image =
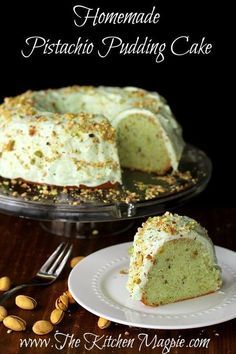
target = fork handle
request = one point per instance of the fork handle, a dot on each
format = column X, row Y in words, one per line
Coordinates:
column 12, row 291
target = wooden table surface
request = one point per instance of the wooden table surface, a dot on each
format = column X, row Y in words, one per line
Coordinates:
column 24, row 246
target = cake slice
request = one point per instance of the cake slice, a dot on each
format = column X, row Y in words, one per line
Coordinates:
column 172, row 259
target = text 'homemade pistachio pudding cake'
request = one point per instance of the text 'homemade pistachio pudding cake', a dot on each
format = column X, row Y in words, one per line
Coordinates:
column 172, row 259
column 83, row 136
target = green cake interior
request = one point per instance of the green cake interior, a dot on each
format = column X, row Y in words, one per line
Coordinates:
column 141, row 145
column 182, row 269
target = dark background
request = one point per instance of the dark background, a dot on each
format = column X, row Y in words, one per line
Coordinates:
column 193, row 85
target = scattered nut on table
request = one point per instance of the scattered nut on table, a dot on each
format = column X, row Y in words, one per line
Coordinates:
column 5, row 283
column 75, row 261
column 25, row 302
column 14, row 323
column 3, row 313
column 70, row 297
column 103, row 323
column 56, row 316
column 62, row 302
column 42, row 327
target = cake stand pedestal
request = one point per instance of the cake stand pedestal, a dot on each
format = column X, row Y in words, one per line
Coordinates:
column 89, row 230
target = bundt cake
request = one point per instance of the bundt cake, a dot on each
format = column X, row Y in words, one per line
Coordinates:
column 172, row 259
column 81, row 135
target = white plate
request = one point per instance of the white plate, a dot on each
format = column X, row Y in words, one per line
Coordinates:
column 97, row 284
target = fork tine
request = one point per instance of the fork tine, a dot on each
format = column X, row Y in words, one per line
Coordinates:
column 59, row 259
column 51, row 258
column 63, row 262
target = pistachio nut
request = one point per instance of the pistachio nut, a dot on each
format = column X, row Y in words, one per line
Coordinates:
column 103, row 323
column 3, row 313
column 70, row 297
column 5, row 283
column 14, row 323
column 56, row 316
column 62, row 302
column 25, row 302
column 75, row 261
column 42, row 327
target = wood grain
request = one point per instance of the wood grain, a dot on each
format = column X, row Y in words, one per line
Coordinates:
column 24, row 246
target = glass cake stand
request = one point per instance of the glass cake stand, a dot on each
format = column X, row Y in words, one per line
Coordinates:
column 142, row 194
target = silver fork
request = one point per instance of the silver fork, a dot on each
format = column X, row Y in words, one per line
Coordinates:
column 48, row 273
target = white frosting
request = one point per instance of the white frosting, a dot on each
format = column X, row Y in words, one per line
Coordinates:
column 54, row 156
column 150, row 240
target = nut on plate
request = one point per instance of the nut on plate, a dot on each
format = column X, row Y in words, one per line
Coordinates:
column 5, row 283
column 70, row 297
column 14, row 323
column 75, row 261
column 25, row 302
column 3, row 313
column 42, row 327
column 56, row 316
column 103, row 323
column 62, row 302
